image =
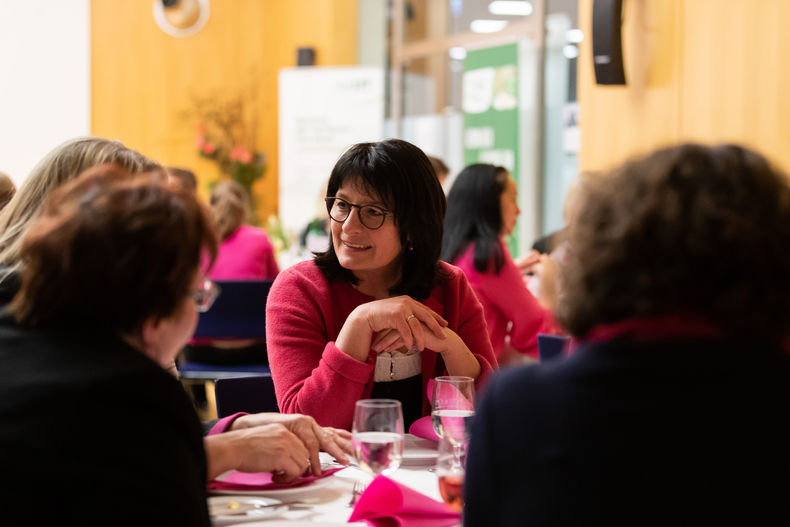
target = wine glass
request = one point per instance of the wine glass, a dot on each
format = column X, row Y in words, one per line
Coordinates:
column 377, row 435
column 453, row 408
column 451, row 473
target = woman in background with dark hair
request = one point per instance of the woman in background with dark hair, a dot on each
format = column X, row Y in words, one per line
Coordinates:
column 673, row 410
column 377, row 314
column 481, row 210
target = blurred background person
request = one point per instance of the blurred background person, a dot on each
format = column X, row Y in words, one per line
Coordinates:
column 674, row 406
column 185, row 177
column 7, row 189
column 109, row 294
column 481, row 210
column 244, row 254
column 377, row 315
column 64, row 163
column 440, row 168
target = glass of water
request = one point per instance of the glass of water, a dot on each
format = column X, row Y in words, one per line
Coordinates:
column 453, row 408
column 377, row 435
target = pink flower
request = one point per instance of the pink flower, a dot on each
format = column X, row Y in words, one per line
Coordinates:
column 241, row 154
column 207, row 148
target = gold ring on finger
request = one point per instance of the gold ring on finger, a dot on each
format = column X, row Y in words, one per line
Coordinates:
column 411, row 317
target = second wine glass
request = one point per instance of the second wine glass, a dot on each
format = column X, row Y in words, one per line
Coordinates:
column 377, row 435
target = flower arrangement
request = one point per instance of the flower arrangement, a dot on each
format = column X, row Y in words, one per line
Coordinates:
column 226, row 133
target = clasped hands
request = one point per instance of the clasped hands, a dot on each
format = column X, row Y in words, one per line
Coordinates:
column 391, row 324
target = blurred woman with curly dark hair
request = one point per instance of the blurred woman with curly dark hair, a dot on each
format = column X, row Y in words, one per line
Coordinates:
column 673, row 408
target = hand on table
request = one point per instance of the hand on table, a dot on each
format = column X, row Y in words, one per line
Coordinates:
column 314, row 437
column 267, row 448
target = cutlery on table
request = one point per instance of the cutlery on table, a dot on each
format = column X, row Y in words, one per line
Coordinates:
column 237, row 508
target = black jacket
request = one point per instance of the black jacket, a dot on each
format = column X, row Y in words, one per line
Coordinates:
column 680, row 432
column 93, row 432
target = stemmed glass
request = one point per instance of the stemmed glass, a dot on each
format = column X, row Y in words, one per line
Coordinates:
column 377, row 435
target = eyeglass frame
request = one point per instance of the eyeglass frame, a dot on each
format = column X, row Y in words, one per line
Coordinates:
column 205, row 296
column 330, row 201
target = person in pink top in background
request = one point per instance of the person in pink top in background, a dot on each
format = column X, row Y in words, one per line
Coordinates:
column 481, row 210
column 244, row 254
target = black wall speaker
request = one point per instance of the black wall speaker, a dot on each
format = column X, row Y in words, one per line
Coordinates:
column 607, row 42
column 305, row 56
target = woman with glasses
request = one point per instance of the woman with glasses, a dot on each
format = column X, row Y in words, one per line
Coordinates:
column 108, row 295
column 377, row 314
column 481, row 210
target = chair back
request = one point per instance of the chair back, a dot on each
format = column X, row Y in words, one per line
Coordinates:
column 245, row 394
column 238, row 313
column 551, row 347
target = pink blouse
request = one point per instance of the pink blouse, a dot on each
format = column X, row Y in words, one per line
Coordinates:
column 506, row 299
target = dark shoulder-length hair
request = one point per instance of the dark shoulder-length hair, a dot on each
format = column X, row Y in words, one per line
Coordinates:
column 474, row 216
column 110, row 251
column 690, row 230
column 399, row 174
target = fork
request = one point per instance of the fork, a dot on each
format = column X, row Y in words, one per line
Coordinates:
column 359, row 488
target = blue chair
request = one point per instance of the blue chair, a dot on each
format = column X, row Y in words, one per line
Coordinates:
column 245, row 394
column 551, row 347
column 238, row 313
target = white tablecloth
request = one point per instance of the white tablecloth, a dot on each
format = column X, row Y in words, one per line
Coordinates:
column 333, row 497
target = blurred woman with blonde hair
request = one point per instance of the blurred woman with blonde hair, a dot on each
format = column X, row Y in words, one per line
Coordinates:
column 245, row 253
column 62, row 164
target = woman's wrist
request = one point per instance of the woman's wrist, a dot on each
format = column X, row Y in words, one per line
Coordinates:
column 458, row 358
column 355, row 336
column 221, row 455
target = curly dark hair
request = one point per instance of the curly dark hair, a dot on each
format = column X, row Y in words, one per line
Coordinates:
column 690, row 229
column 400, row 174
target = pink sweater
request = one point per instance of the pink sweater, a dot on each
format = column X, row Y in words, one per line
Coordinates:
column 304, row 315
column 505, row 299
column 246, row 255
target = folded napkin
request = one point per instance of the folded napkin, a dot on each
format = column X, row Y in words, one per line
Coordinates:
column 262, row 481
column 387, row 503
column 423, row 427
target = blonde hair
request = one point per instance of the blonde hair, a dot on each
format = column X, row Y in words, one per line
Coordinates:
column 230, row 205
column 61, row 165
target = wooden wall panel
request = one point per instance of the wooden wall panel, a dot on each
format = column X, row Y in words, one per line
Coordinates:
column 620, row 121
column 704, row 70
column 142, row 79
column 737, row 74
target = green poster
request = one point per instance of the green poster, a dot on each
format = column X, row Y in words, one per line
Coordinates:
column 490, row 105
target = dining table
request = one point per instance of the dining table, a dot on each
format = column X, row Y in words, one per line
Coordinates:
column 326, row 501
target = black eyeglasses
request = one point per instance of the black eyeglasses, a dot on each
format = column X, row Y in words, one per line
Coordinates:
column 370, row 216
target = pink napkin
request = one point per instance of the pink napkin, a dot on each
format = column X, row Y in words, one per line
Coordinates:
column 423, row 427
column 387, row 503
column 262, row 481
